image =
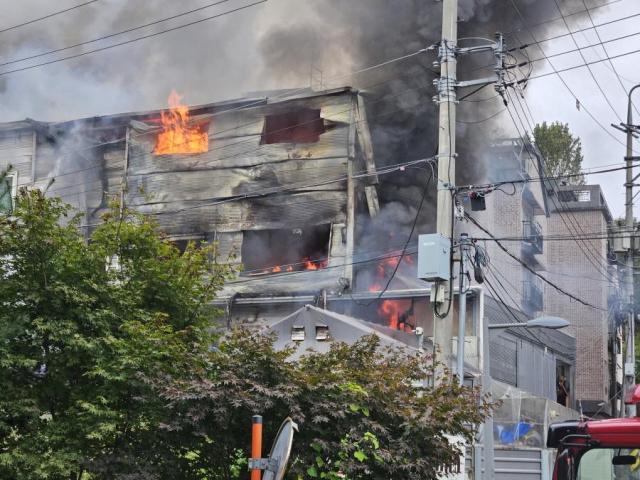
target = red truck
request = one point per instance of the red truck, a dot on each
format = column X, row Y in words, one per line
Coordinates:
column 597, row 449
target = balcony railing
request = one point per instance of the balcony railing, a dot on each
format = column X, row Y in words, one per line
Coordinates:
column 532, row 234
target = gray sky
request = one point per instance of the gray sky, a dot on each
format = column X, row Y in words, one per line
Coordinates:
column 272, row 46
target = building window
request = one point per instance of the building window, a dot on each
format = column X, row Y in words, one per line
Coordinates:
column 583, row 195
column 574, row 195
column 279, row 251
column 303, row 125
column 8, row 187
column 567, row 196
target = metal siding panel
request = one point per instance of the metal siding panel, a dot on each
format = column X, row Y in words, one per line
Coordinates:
column 518, row 464
column 504, row 359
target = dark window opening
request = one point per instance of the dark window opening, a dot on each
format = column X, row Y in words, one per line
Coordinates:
column 276, row 251
column 299, row 126
column 183, row 243
column 567, row 196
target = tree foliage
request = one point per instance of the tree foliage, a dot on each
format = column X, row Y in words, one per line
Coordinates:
column 109, row 373
column 361, row 409
column 562, row 152
column 78, row 340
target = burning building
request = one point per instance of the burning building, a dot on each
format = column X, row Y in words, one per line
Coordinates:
column 277, row 181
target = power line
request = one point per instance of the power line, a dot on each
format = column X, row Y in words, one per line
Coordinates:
column 582, row 65
column 548, row 282
column 137, row 39
column 208, row 153
column 29, row 22
column 564, row 83
column 595, row 255
column 475, row 122
column 251, row 105
column 260, row 193
column 606, row 53
column 405, row 246
column 111, row 35
column 588, row 254
column 539, row 24
column 615, row 113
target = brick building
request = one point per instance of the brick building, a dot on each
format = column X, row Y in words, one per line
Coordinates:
column 579, row 261
column 542, row 224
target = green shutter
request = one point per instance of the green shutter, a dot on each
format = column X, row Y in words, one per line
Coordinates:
column 6, row 202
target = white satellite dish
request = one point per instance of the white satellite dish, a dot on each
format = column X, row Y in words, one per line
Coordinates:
column 275, row 465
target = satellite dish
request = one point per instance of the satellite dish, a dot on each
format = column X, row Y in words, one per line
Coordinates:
column 280, row 451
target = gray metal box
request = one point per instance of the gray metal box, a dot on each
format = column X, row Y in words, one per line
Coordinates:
column 434, row 257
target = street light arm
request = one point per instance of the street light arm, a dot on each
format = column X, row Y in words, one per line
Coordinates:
column 629, row 106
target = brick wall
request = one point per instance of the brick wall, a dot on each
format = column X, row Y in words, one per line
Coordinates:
column 579, row 268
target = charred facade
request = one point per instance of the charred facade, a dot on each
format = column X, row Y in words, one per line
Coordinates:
column 272, row 182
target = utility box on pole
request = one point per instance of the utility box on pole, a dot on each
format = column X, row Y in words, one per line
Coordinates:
column 434, row 257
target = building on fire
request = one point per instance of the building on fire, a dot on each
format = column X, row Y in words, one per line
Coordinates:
column 280, row 181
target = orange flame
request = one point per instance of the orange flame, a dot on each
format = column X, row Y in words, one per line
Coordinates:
column 396, row 312
column 177, row 135
column 313, row 264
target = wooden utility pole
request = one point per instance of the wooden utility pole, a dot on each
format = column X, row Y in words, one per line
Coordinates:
column 443, row 320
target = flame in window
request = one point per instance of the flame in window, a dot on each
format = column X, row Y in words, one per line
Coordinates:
column 178, row 135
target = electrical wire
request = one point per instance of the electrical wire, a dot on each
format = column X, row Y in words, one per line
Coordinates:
column 615, row 113
column 249, row 106
column 111, row 35
column 564, row 83
column 553, row 285
column 261, row 193
column 59, row 12
column 405, row 246
column 578, row 12
column 575, row 222
column 136, row 39
column 559, row 209
column 606, row 53
column 204, row 155
column 476, row 122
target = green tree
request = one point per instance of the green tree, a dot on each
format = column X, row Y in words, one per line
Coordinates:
column 362, row 410
column 562, row 152
column 107, row 370
column 78, row 341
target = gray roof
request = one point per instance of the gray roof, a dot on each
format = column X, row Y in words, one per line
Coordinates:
column 341, row 328
column 253, row 99
column 584, row 197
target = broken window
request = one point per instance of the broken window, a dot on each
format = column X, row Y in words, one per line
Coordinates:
column 303, row 125
column 276, row 251
column 8, row 184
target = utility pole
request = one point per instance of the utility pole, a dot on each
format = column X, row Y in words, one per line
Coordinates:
column 630, row 360
column 443, row 322
column 447, row 84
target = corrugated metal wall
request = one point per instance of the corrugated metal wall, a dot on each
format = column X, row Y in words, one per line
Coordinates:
column 518, row 464
column 523, row 365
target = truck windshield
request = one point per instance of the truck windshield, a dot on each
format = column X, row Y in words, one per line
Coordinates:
column 610, row 464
